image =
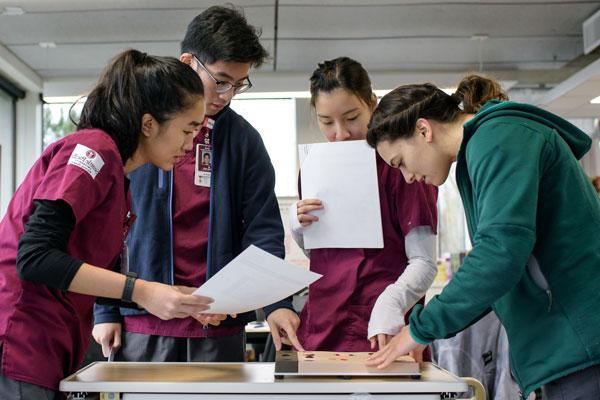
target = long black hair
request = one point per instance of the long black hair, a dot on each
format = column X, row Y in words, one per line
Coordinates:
column 135, row 84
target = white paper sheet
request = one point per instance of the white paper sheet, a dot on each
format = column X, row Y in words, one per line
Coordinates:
column 343, row 175
column 252, row 280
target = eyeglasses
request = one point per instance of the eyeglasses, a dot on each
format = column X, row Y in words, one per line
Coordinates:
column 224, row 86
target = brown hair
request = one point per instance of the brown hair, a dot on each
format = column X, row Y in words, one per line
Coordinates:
column 341, row 73
column 396, row 115
column 596, row 182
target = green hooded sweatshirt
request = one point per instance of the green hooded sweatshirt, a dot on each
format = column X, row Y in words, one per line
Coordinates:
column 534, row 222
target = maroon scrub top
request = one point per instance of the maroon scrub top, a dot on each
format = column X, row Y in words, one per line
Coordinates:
column 337, row 312
column 191, row 212
column 45, row 332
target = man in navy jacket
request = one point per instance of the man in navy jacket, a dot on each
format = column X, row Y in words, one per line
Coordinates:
column 192, row 221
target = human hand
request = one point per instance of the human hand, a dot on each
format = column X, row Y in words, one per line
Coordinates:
column 400, row 345
column 387, row 318
column 211, row 319
column 380, row 340
column 304, row 207
column 283, row 324
column 204, row 319
column 108, row 335
column 417, row 354
column 167, row 302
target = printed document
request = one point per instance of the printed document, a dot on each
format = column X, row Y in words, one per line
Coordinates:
column 343, row 175
column 252, row 280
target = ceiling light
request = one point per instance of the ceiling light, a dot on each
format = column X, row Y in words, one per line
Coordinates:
column 13, row 11
column 47, row 45
column 595, row 100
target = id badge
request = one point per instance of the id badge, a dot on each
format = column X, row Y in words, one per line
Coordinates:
column 203, row 165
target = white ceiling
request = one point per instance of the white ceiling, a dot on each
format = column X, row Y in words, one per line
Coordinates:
column 572, row 97
column 531, row 42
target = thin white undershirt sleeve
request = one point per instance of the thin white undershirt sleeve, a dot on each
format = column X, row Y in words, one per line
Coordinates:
column 296, row 228
column 395, row 301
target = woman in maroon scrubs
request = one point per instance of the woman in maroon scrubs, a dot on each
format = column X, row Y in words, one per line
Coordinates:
column 64, row 228
column 364, row 293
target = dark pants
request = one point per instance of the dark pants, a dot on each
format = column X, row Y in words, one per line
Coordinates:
column 18, row 390
column 139, row 347
column 580, row 385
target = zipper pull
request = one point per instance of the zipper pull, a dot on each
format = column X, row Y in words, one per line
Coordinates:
column 549, row 294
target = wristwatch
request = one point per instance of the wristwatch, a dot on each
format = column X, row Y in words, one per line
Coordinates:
column 128, row 288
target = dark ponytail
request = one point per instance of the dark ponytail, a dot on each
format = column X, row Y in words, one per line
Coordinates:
column 396, row 115
column 474, row 91
column 344, row 73
column 135, row 84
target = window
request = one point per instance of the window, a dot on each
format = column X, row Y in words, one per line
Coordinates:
column 56, row 123
column 275, row 120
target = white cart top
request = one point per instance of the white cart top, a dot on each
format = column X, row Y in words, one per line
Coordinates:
column 134, row 377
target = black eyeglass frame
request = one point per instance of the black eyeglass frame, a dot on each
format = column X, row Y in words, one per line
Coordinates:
column 224, row 86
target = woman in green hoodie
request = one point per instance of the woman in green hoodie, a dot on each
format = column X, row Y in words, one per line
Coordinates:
column 533, row 218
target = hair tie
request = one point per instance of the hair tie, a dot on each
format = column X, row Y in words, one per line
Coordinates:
column 458, row 101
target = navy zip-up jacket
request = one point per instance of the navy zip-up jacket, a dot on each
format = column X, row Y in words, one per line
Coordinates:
column 243, row 211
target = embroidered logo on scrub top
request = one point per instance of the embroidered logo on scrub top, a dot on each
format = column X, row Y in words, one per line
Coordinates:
column 86, row 159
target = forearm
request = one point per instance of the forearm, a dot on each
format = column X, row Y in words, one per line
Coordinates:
column 395, row 301
column 100, row 282
column 420, row 271
column 488, row 272
column 296, row 228
column 282, row 304
column 412, row 285
column 41, row 254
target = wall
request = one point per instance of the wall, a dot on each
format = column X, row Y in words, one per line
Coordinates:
column 18, row 155
column 6, row 149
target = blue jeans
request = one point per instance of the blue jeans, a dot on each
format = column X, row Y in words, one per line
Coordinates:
column 580, row 385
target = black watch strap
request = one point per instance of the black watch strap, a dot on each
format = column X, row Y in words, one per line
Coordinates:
column 128, row 288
